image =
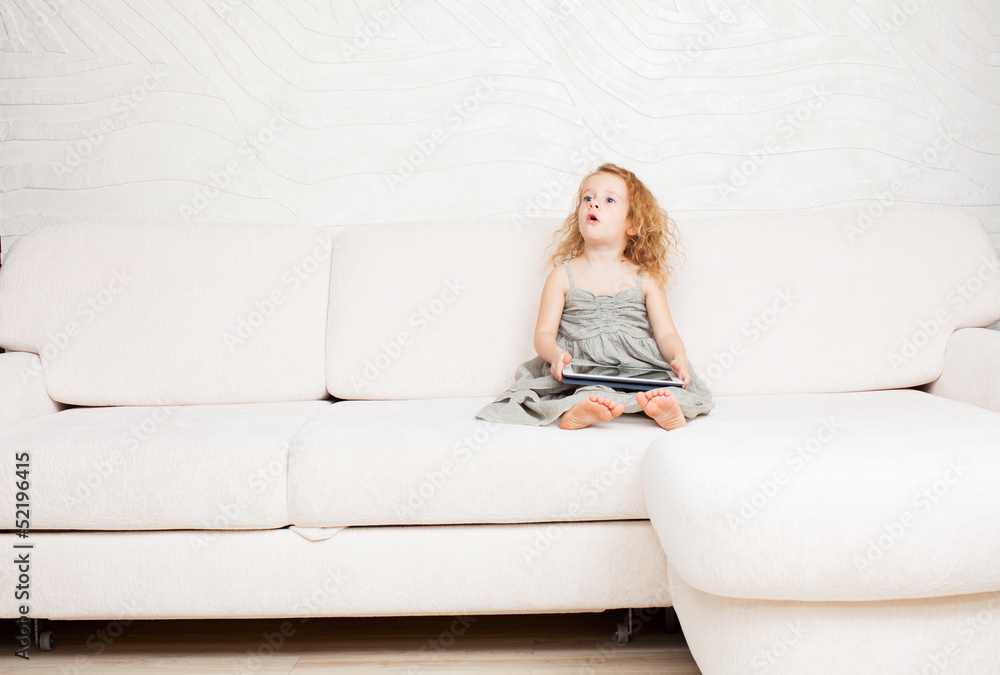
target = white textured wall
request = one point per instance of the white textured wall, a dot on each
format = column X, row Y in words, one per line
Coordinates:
column 335, row 112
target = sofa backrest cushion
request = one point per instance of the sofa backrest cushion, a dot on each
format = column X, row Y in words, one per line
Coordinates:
column 833, row 300
column 810, row 301
column 170, row 314
column 434, row 309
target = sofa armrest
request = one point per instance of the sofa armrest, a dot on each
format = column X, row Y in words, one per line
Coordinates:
column 971, row 369
column 22, row 389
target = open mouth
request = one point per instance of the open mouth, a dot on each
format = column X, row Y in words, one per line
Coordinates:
column 591, row 218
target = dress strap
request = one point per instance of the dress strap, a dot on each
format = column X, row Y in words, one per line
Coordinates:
column 638, row 283
column 569, row 272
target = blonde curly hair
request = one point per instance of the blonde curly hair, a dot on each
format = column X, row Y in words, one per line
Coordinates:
column 655, row 237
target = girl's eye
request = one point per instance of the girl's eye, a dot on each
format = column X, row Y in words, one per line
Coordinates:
column 610, row 200
column 587, row 198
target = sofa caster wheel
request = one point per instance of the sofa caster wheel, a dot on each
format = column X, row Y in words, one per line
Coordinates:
column 46, row 639
column 623, row 634
column 672, row 624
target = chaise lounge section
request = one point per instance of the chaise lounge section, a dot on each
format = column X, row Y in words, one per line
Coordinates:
column 835, row 517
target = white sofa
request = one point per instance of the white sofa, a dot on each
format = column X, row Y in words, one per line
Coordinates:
column 186, row 458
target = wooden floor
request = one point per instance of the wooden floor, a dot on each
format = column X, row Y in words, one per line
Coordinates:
column 551, row 643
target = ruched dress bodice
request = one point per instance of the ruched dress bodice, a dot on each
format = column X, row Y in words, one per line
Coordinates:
column 610, row 330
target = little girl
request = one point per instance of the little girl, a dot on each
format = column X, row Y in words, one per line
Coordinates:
column 605, row 304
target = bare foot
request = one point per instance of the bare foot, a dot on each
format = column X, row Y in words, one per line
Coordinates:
column 663, row 407
column 590, row 410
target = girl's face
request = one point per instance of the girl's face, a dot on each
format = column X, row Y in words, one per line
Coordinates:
column 603, row 214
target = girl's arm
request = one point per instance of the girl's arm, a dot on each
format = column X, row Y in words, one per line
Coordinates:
column 550, row 311
column 664, row 331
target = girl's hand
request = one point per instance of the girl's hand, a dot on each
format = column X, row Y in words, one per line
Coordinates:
column 680, row 367
column 562, row 358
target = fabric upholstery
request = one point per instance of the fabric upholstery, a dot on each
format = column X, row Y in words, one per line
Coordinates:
column 971, row 369
column 840, row 497
column 22, row 390
column 800, row 303
column 926, row 636
column 448, row 308
column 362, row 571
column 430, row 462
column 137, row 468
column 163, row 315
column 785, row 303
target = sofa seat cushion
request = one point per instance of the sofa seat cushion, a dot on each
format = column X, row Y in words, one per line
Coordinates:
column 142, row 468
column 852, row 496
column 431, row 462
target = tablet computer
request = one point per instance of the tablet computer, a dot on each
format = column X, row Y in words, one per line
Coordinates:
column 620, row 377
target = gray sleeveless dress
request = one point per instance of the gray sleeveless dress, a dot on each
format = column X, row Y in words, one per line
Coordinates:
column 611, row 330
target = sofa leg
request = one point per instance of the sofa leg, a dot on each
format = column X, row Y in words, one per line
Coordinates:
column 623, row 634
column 672, row 625
column 45, row 640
